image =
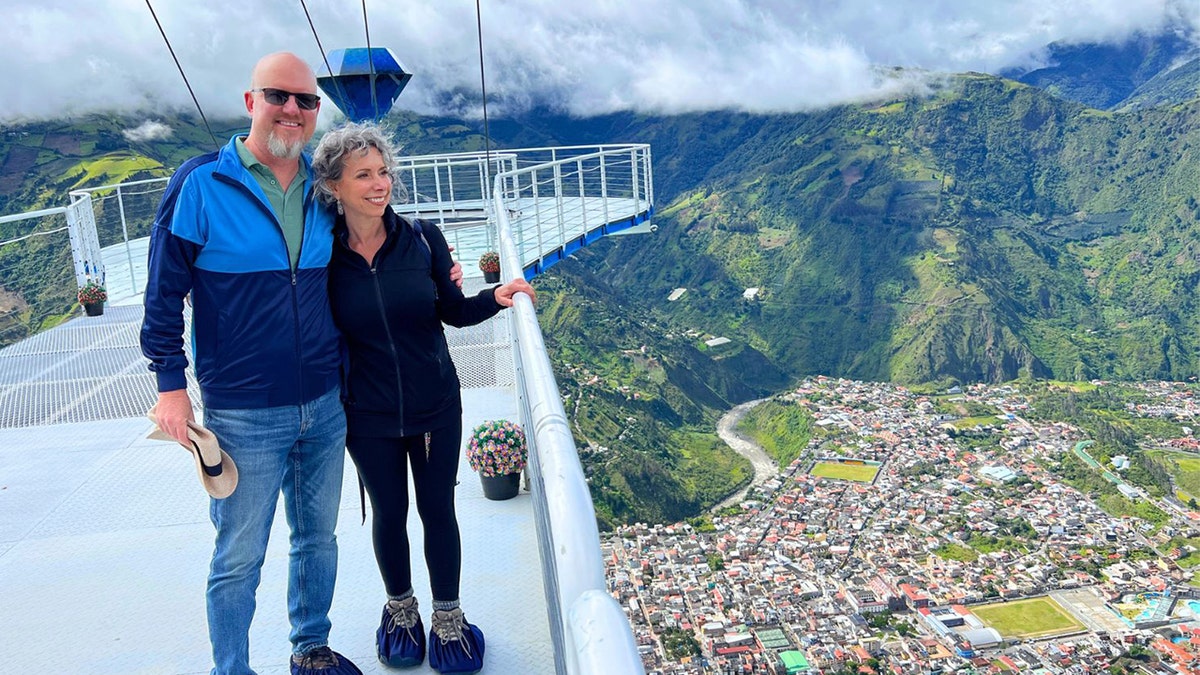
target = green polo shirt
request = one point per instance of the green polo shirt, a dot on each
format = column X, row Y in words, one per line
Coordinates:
column 288, row 206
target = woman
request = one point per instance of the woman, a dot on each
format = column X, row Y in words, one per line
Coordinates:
column 390, row 289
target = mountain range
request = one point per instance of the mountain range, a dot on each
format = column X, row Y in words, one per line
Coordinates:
column 1041, row 225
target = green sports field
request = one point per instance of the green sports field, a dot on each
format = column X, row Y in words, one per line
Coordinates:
column 863, row 473
column 1036, row 617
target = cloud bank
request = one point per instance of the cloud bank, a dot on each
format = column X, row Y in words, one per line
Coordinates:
column 66, row 56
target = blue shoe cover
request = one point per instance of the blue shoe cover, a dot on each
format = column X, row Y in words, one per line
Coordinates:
column 457, row 650
column 400, row 646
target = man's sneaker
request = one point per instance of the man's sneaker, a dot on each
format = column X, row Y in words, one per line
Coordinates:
column 455, row 646
column 400, row 640
column 323, row 661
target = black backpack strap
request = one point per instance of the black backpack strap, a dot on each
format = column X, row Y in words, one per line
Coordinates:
column 425, row 249
column 362, row 498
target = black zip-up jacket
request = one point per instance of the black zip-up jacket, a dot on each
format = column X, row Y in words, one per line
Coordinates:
column 400, row 380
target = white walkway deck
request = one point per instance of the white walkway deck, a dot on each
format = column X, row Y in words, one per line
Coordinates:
column 105, row 539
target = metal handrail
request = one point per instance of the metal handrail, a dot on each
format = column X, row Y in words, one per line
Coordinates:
column 554, row 150
column 591, row 633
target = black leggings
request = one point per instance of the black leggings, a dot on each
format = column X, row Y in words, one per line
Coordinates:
column 382, row 464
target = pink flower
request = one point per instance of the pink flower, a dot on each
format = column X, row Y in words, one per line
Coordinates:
column 497, row 448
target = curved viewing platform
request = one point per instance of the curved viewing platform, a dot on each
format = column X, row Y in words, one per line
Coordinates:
column 103, row 529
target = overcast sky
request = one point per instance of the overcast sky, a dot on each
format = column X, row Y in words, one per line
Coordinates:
column 588, row 56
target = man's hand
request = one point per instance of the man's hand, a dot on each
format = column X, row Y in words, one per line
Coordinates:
column 174, row 411
column 455, row 270
column 504, row 294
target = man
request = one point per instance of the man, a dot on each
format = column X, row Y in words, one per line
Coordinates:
column 242, row 232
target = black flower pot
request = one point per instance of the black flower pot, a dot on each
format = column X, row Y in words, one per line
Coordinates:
column 94, row 308
column 491, row 277
column 499, row 488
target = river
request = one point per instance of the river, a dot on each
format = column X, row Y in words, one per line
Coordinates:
column 764, row 466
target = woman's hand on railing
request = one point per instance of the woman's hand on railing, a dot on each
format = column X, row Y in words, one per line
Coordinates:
column 504, row 294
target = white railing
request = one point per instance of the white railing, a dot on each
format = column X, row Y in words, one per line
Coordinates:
column 591, row 632
column 46, row 230
column 135, row 204
column 576, row 197
column 557, row 199
column 36, row 237
column 452, row 190
column 84, row 246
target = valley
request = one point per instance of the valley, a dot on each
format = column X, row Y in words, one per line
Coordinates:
column 980, row 539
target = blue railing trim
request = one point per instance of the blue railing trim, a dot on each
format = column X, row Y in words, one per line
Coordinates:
column 591, row 236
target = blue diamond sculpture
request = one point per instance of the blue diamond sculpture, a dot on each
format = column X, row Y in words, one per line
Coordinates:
column 363, row 86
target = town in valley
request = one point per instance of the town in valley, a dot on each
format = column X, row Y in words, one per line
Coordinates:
column 1023, row 528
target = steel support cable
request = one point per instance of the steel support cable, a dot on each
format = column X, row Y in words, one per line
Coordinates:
column 34, row 234
column 332, row 76
column 487, row 137
column 97, row 197
column 370, row 65
column 183, row 75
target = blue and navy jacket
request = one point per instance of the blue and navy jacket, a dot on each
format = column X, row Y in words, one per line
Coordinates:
column 263, row 334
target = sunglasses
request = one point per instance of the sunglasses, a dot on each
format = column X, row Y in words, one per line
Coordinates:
column 280, row 97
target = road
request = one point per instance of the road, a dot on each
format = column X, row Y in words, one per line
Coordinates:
column 764, row 466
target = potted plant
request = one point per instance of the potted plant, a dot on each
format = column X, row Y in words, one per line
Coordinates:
column 489, row 262
column 497, row 451
column 92, row 296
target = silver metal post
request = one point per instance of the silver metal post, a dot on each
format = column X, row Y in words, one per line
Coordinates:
column 633, row 172
column 582, row 197
column 125, row 235
column 437, row 188
column 604, row 189
column 558, row 205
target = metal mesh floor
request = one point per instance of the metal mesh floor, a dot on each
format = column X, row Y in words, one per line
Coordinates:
column 92, row 368
column 105, row 530
column 87, row 369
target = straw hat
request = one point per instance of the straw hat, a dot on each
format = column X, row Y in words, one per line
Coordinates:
column 218, row 473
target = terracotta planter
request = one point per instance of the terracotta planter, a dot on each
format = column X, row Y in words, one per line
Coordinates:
column 491, row 277
column 499, row 488
column 94, row 308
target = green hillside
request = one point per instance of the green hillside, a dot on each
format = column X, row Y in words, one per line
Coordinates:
column 1180, row 83
column 987, row 233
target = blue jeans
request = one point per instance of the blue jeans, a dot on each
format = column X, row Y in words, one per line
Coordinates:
column 301, row 451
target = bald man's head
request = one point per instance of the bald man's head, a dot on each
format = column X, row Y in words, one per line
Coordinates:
column 280, row 63
column 279, row 126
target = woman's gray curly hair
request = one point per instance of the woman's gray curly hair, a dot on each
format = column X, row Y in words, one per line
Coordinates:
column 329, row 159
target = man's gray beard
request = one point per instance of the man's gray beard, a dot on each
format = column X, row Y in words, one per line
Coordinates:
column 280, row 148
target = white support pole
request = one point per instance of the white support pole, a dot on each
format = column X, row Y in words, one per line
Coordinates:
column 604, row 188
column 582, row 198
column 85, row 246
column 125, row 236
column 633, row 172
column 558, row 204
